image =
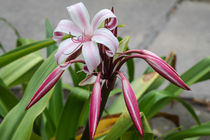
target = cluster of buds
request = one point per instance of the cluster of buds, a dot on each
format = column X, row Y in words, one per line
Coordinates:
column 99, row 46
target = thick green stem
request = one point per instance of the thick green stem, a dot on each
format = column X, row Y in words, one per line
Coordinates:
column 106, row 89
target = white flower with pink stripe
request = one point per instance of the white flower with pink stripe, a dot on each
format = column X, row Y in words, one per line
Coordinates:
column 85, row 35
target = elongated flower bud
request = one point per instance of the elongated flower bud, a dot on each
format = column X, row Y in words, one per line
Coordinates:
column 164, row 69
column 95, row 103
column 131, row 103
column 48, row 84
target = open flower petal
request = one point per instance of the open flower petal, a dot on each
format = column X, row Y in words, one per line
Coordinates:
column 91, row 55
column 131, row 103
column 48, row 84
column 102, row 16
column 80, row 16
column 106, row 37
column 65, row 27
column 66, row 48
column 95, row 103
column 166, row 71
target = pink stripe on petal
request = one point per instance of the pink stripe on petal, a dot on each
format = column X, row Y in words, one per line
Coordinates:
column 80, row 16
column 58, row 36
column 146, row 52
column 85, row 69
column 91, row 55
column 65, row 49
column 95, row 103
column 48, row 84
column 131, row 103
column 112, row 24
column 101, row 16
column 166, row 71
column 106, row 37
column 66, row 27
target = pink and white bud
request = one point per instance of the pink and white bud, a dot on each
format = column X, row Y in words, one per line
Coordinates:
column 48, row 84
column 131, row 103
column 95, row 103
column 163, row 69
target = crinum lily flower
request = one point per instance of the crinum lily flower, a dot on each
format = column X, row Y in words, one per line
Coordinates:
column 98, row 46
column 85, row 35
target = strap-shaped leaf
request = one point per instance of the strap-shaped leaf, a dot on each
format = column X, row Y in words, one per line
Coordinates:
column 150, row 103
column 49, row 34
column 7, row 99
column 124, row 123
column 13, row 73
column 24, row 50
column 55, row 106
column 193, row 75
column 18, row 123
column 201, row 130
column 69, row 120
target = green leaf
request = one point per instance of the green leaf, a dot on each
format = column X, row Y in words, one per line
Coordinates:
column 23, row 41
column 48, row 29
column 150, row 103
column 47, row 125
column 85, row 110
column 202, row 130
column 18, row 123
column 190, row 109
column 123, row 124
column 123, row 45
column 69, row 120
column 34, row 136
column 11, row 26
column 121, row 25
column 55, row 106
column 207, row 77
column 16, row 70
column 49, row 34
column 193, row 138
column 54, row 109
column 7, row 99
column 193, row 75
column 76, row 74
column 133, row 134
column 24, row 50
column 131, row 69
column 115, row 91
column 56, row 102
